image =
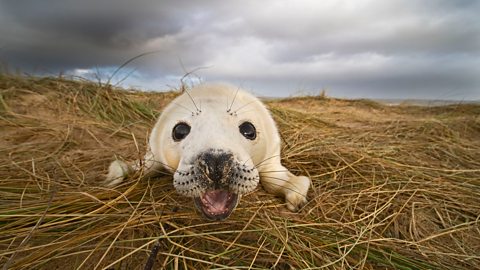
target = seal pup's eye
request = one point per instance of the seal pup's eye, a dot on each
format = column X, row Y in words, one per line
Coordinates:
column 180, row 131
column 248, row 130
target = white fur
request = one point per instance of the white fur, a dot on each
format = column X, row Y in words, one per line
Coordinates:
column 215, row 118
column 117, row 172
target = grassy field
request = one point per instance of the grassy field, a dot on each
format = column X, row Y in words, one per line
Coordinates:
column 394, row 187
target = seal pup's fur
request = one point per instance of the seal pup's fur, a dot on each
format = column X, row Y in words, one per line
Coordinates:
column 219, row 142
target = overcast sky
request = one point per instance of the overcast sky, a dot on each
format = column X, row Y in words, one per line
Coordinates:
column 373, row 49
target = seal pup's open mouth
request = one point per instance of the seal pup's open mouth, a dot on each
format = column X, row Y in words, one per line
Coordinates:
column 216, row 204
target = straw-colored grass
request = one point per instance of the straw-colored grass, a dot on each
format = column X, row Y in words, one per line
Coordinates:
column 394, row 187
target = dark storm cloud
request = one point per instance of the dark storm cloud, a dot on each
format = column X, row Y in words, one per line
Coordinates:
column 107, row 23
column 70, row 34
column 357, row 48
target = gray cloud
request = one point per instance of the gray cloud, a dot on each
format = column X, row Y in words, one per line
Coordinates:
column 364, row 48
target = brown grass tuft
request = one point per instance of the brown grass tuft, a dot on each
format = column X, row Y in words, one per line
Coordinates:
column 393, row 187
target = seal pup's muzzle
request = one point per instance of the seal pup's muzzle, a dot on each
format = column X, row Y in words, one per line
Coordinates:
column 216, row 181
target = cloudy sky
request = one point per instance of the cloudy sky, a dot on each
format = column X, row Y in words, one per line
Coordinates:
column 426, row 49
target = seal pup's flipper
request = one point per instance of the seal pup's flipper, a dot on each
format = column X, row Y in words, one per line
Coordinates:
column 119, row 170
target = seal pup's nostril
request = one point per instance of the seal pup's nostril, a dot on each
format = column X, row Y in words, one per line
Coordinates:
column 204, row 167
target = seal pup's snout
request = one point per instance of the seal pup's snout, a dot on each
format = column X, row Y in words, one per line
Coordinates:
column 216, row 167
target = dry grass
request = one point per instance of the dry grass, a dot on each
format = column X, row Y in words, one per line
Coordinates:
column 393, row 187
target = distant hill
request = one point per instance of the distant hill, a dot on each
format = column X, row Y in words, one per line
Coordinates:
column 425, row 102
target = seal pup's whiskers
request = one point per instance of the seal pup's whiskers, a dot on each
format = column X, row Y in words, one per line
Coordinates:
column 243, row 106
column 262, row 161
column 229, row 109
column 193, row 101
column 180, row 105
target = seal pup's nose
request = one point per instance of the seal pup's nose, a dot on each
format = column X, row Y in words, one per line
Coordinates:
column 216, row 166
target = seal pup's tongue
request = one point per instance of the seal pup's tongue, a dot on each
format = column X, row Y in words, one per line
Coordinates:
column 216, row 201
column 217, row 204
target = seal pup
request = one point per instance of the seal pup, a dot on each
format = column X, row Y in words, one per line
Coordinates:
column 219, row 142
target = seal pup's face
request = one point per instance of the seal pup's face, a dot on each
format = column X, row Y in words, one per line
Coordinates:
column 212, row 147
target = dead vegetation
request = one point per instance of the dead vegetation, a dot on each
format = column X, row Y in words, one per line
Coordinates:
column 393, row 187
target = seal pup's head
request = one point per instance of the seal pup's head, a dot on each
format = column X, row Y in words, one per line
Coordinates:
column 212, row 137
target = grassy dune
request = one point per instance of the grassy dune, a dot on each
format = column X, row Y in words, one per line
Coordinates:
column 394, row 187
